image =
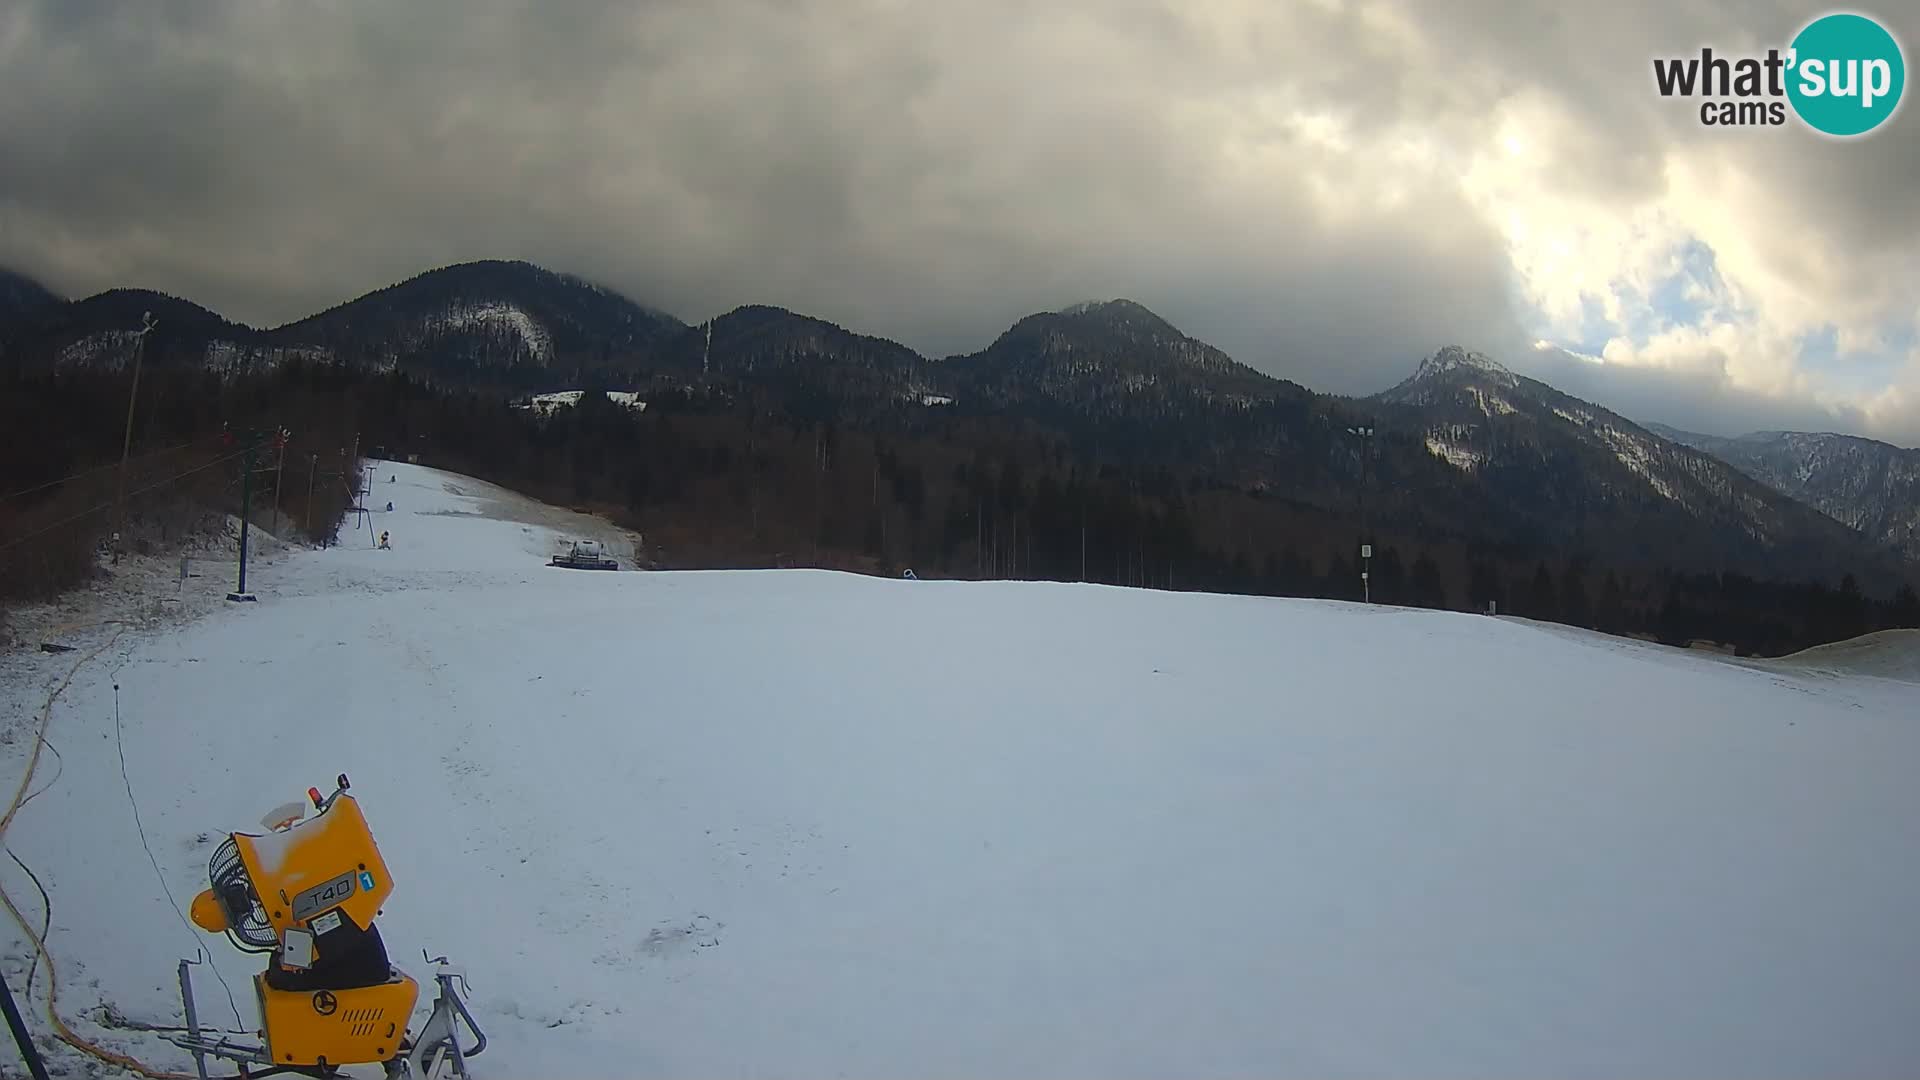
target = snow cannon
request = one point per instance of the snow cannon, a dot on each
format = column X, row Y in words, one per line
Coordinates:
column 305, row 893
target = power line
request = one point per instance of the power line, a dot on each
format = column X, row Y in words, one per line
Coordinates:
column 126, row 443
column 98, row 468
column 109, row 504
column 119, row 742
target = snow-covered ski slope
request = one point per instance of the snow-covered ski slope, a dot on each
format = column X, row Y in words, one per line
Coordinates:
column 802, row 824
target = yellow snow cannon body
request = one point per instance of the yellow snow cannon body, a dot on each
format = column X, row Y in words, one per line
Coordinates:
column 306, row 892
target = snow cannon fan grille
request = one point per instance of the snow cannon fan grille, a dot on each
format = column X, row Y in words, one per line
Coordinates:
column 247, row 921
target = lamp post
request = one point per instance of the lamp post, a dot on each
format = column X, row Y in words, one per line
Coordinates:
column 147, row 323
column 280, row 437
column 1365, row 435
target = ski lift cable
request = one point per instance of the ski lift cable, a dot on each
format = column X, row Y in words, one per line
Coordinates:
column 100, row 468
column 109, row 504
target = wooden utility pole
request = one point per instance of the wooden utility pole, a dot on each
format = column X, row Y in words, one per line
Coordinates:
column 313, row 467
column 353, row 486
column 979, row 538
column 343, row 479
column 278, row 469
column 147, row 323
column 1083, row 533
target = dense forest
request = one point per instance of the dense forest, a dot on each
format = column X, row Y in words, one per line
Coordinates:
column 1181, row 466
column 192, row 437
column 717, row 481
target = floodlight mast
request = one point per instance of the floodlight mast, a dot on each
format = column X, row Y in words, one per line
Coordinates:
column 147, row 323
column 1365, row 435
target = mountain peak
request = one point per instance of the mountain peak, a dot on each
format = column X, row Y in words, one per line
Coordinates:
column 1119, row 306
column 1450, row 372
column 499, row 281
column 1452, row 358
column 1127, row 314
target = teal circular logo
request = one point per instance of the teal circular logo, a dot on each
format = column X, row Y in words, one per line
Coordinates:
column 1846, row 74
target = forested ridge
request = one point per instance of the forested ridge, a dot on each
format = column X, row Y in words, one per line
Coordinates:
column 1097, row 443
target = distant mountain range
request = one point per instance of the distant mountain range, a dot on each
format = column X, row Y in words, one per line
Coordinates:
column 505, row 324
column 1465, row 451
column 1569, row 461
column 1870, row 486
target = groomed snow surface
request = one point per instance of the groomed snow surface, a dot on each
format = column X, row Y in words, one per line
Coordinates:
column 803, row 824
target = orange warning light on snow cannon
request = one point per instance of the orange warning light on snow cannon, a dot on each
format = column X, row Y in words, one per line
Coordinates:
column 207, row 913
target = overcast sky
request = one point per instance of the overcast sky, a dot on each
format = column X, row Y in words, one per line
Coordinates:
column 1326, row 190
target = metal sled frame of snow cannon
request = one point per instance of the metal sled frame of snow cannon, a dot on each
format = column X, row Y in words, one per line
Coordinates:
column 307, row 892
column 435, row 1052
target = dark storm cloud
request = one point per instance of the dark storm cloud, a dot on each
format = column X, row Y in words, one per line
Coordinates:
column 929, row 172
column 1858, row 198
